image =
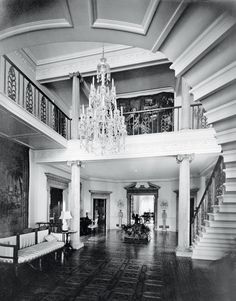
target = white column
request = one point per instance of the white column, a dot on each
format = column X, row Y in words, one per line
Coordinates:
column 186, row 101
column 156, row 212
column 184, row 205
column 74, row 203
column 75, row 104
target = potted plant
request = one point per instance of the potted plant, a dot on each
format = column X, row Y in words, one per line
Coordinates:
column 137, row 233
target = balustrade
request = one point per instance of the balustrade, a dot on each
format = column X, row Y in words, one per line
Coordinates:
column 26, row 94
column 162, row 120
column 214, row 189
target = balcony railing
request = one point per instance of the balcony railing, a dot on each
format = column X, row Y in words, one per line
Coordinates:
column 26, row 94
column 163, row 120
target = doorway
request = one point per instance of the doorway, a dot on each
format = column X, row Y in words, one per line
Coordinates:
column 99, row 212
column 56, row 205
column 143, row 206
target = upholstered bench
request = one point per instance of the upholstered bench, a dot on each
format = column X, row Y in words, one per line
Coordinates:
column 22, row 248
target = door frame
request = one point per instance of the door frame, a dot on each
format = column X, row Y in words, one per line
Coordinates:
column 54, row 181
column 152, row 189
column 98, row 194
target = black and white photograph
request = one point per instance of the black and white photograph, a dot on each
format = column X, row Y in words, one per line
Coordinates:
column 117, row 150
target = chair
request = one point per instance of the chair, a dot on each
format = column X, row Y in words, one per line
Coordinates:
column 93, row 226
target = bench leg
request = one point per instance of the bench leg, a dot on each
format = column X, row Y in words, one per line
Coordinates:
column 62, row 257
column 16, row 270
column 40, row 264
column 55, row 255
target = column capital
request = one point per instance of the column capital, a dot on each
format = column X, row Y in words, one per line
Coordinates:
column 78, row 75
column 181, row 158
column 74, row 162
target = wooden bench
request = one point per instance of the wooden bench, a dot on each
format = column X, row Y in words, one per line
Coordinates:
column 23, row 248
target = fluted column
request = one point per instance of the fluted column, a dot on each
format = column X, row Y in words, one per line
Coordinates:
column 74, row 203
column 76, row 77
column 184, row 205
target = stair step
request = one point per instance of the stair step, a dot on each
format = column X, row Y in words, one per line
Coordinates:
column 223, row 216
column 212, row 246
column 230, row 156
column 217, row 241
column 219, row 236
column 230, row 207
column 205, row 254
column 230, row 186
column 223, row 224
column 230, row 172
column 227, row 197
column 219, row 230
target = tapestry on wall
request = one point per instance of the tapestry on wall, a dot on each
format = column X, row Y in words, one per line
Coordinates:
column 14, row 187
column 149, row 113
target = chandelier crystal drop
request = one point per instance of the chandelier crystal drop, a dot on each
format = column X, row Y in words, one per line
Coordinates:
column 102, row 126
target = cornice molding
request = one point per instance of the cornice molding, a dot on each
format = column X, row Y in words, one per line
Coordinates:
column 125, row 59
column 205, row 42
column 75, row 55
column 221, row 112
column 142, row 28
column 215, row 82
column 171, row 23
column 145, row 92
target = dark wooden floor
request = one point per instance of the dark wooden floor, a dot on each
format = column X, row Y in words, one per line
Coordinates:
column 108, row 269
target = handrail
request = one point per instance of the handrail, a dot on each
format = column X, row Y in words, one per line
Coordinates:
column 152, row 110
column 33, row 84
column 219, row 161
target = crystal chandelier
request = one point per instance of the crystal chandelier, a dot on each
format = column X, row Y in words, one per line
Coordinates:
column 102, row 126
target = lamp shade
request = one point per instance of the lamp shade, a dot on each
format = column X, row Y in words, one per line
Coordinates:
column 65, row 215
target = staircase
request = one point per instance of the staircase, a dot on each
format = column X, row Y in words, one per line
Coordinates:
column 217, row 234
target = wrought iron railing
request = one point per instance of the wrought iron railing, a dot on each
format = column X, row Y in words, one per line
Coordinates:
column 210, row 198
column 162, row 120
column 198, row 118
column 25, row 93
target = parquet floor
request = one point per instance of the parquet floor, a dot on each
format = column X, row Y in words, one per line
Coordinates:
column 109, row 269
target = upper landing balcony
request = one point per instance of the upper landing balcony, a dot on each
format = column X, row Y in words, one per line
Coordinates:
column 29, row 116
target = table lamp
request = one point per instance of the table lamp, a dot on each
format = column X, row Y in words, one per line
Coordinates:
column 65, row 215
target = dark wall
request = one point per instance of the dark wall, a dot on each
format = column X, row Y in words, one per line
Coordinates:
column 14, row 187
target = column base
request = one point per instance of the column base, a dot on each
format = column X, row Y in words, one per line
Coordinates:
column 77, row 245
column 183, row 252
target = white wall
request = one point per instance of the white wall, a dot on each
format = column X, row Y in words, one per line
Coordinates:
column 38, row 195
column 38, row 200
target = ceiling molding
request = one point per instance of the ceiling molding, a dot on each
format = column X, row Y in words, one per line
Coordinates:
column 171, row 23
column 125, row 59
column 75, row 55
column 215, row 82
column 145, row 92
column 205, row 42
column 121, row 25
column 33, row 26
